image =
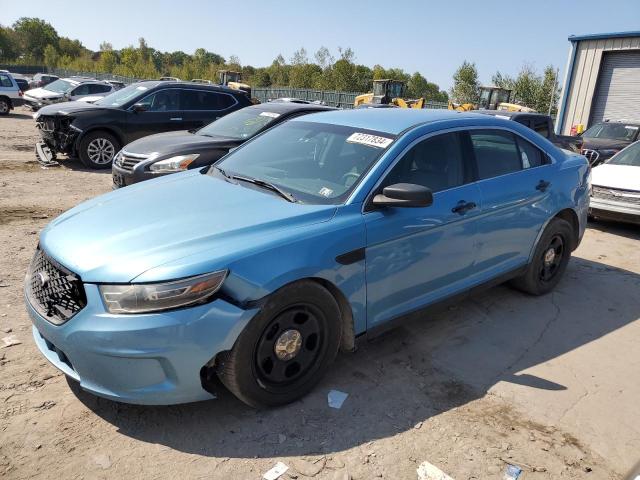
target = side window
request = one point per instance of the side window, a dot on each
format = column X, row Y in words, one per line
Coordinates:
column 97, row 88
column 162, row 101
column 437, row 163
column 81, row 90
column 203, row 100
column 496, row 153
column 5, row 81
column 530, row 155
column 542, row 127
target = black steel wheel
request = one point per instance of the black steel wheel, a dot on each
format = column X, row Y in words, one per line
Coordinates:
column 290, row 345
column 549, row 260
column 286, row 348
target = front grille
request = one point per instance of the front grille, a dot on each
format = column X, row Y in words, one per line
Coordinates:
column 127, row 161
column 616, row 195
column 55, row 292
column 592, row 155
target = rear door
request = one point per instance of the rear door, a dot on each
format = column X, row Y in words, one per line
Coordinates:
column 162, row 114
column 415, row 256
column 201, row 106
column 515, row 179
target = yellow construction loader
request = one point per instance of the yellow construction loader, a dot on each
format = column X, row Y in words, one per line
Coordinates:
column 491, row 98
column 232, row 79
column 388, row 92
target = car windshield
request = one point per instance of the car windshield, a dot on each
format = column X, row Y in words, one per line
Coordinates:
column 317, row 163
column 612, row 131
column 241, row 124
column 59, row 86
column 629, row 156
column 120, row 97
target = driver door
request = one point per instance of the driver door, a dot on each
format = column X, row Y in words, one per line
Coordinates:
column 415, row 256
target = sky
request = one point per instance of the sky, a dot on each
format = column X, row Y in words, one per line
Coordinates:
column 430, row 37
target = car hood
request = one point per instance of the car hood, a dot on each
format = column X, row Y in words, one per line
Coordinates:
column 118, row 236
column 41, row 93
column 626, row 177
column 69, row 108
column 171, row 142
column 604, row 143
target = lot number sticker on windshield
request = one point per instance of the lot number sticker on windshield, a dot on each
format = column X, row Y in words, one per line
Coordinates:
column 270, row 114
column 370, row 140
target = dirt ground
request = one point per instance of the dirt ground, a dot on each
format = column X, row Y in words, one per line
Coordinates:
column 549, row 384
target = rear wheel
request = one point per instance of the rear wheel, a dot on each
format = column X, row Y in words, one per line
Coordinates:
column 5, row 106
column 285, row 349
column 549, row 260
column 97, row 149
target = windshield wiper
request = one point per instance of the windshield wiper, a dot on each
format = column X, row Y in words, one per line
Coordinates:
column 264, row 184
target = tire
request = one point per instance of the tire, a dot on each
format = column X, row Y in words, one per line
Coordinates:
column 97, row 149
column 546, row 269
column 5, row 106
column 264, row 369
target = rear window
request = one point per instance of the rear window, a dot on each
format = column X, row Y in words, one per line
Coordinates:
column 5, row 81
column 496, row 153
column 203, row 100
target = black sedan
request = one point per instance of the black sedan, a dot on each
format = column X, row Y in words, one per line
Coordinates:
column 165, row 153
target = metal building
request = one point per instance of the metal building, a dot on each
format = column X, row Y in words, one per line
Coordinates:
column 602, row 80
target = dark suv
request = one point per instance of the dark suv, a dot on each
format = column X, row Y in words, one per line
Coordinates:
column 95, row 132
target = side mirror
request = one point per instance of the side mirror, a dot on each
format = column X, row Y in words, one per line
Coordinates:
column 404, row 195
column 139, row 107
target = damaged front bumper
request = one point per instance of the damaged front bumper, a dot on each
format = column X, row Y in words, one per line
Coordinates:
column 58, row 135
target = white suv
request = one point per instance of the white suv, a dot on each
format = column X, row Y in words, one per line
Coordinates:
column 65, row 90
column 10, row 94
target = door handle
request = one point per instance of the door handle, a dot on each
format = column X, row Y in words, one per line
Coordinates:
column 176, row 119
column 543, row 185
column 463, row 207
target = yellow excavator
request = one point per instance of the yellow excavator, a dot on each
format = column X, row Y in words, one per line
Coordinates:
column 491, row 98
column 387, row 92
column 232, row 79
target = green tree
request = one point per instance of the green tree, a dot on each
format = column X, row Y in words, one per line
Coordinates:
column 8, row 44
column 304, row 75
column 526, row 87
column 300, row 57
column 549, row 93
column 261, row 78
column 34, row 35
column 51, row 56
column 465, row 84
column 72, row 48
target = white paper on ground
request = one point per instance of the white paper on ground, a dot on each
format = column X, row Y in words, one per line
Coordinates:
column 427, row 471
column 336, row 398
column 275, row 472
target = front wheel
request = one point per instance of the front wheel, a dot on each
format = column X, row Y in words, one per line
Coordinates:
column 285, row 349
column 97, row 149
column 549, row 261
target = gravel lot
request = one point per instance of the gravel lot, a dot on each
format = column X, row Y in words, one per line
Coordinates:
column 550, row 384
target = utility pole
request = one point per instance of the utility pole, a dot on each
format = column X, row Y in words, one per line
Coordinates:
column 553, row 92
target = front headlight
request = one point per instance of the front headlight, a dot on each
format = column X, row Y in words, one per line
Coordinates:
column 174, row 164
column 153, row 297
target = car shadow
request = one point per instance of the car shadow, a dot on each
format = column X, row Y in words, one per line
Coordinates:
column 74, row 163
column 20, row 116
column 427, row 366
column 627, row 230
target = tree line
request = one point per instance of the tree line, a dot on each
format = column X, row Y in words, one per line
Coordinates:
column 35, row 41
column 528, row 88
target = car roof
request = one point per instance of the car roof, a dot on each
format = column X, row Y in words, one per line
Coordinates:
column 287, row 107
column 622, row 122
column 79, row 80
column 389, row 120
column 192, row 85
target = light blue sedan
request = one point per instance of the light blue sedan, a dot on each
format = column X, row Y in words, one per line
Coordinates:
column 262, row 267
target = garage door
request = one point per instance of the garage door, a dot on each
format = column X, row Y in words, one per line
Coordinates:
column 618, row 90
